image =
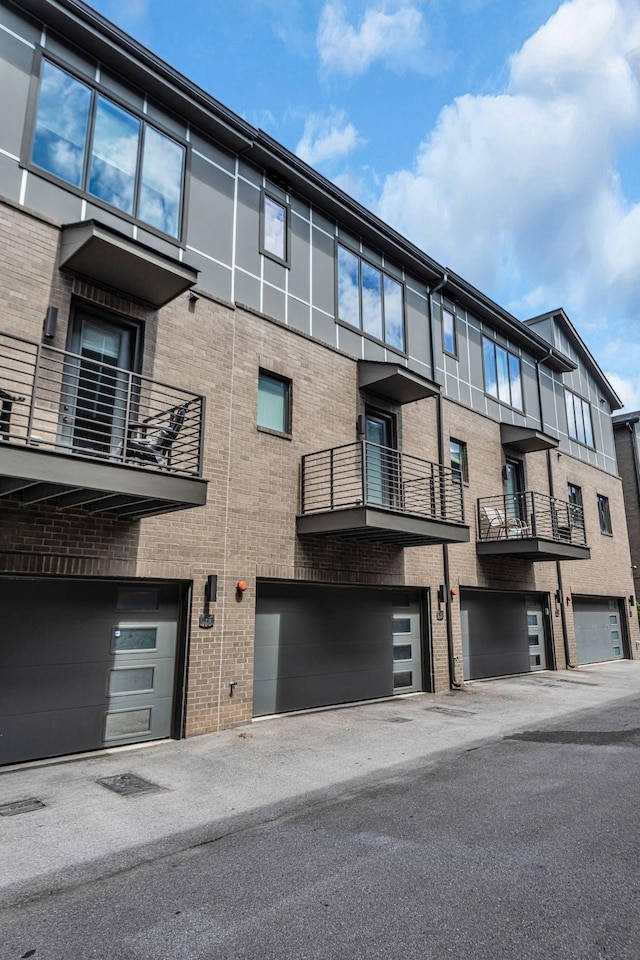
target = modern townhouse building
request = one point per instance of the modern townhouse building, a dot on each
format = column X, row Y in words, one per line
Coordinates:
column 258, row 452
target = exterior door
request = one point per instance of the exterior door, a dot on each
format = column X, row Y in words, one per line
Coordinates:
column 97, row 384
column 537, row 651
column 515, row 507
column 407, row 651
column 382, row 465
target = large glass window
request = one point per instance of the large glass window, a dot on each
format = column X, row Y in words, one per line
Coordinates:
column 502, row 374
column 274, row 403
column 370, row 299
column 129, row 164
column 579, row 424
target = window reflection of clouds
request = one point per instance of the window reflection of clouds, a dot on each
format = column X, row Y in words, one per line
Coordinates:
column 348, row 287
column 490, row 379
column 61, row 125
column 393, row 313
column 502, row 374
column 275, row 228
column 372, row 301
column 161, row 186
column 115, row 155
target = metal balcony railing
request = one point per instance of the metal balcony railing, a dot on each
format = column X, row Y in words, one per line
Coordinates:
column 53, row 400
column 527, row 515
column 365, row 474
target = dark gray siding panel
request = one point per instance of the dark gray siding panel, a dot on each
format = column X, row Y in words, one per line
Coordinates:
column 112, row 220
column 72, row 56
column 53, row 201
column 247, row 290
column 417, row 327
column 299, row 278
column 530, row 391
column 324, row 328
column 299, row 315
column 273, row 302
column 170, row 121
column 248, row 228
column 213, row 153
column 318, row 645
column 323, row 272
column 10, row 176
column 275, row 273
column 350, row 342
column 210, row 226
column 213, row 277
column 474, row 340
column 548, row 404
column 15, row 71
column 22, row 26
column 373, row 351
column 115, row 85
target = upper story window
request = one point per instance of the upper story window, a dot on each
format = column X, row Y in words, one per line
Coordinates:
column 502, row 374
column 574, row 496
column 458, row 454
column 449, row 340
column 579, row 422
column 604, row 514
column 274, row 403
column 370, row 299
column 274, row 229
column 93, row 144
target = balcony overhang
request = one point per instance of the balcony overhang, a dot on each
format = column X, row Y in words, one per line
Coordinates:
column 105, row 256
column 66, row 481
column 381, row 526
column 525, row 439
column 532, row 548
column 394, row 382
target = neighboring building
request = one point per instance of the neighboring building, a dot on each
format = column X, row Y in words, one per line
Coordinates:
column 627, row 438
column 218, row 369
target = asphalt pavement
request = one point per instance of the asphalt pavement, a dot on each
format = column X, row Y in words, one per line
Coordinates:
column 70, row 827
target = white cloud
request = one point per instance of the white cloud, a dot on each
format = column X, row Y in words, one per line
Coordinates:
column 327, row 137
column 627, row 389
column 394, row 34
column 520, row 191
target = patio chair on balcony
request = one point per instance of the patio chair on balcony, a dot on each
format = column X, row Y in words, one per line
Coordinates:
column 501, row 526
column 157, row 436
column 7, row 401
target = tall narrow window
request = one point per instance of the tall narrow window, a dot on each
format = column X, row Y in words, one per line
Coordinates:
column 449, row 343
column 274, row 241
column 369, row 299
column 130, row 165
column 604, row 514
column 274, row 403
column 458, row 454
column 579, row 424
column 502, row 374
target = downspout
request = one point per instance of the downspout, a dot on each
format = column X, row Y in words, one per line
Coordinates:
column 563, row 616
column 445, row 548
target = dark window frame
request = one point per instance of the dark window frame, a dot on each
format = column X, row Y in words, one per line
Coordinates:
column 510, row 354
column 464, row 461
column 287, row 434
column 604, row 515
column 583, row 404
column 99, row 89
column 450, row 353
column 403, row 352
column 265, row 194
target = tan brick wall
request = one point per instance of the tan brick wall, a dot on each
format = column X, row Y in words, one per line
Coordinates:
column 247, row 528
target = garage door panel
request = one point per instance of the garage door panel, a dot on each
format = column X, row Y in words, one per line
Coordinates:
column 30, row 642
column 495, row 633
column 50, row 734
column 301, row 693
column 598, row 629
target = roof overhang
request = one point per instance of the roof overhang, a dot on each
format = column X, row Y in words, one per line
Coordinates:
column 532, row 548
column 526, row 439
column 394, row 382
column 108, row 257
column 381, row 526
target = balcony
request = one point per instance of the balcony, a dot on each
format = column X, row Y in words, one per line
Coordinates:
column 362, row 491
column 78, row 432
column 531, row 526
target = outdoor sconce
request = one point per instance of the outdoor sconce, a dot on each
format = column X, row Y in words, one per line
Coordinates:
column 50, row 323
column 568, row 599
column 631, row 600
column 211, row 588
column 558, row 599
column 441, row 599
column 193, row 297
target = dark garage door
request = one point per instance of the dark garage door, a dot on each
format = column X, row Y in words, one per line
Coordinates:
column 502, row 633
column 598, row 629
column 85, row 665
column 317, row 645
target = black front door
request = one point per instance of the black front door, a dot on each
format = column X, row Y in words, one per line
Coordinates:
column 516, row 507
column 98, row 382
column 381, row 460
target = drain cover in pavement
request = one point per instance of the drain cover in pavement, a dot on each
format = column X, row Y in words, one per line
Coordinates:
column 398, row 719
column 20, row 806
column 452, row 712
column 128, row 785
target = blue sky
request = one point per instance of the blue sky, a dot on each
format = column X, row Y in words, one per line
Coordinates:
column 501, row 136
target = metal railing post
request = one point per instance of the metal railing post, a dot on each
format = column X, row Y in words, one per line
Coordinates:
column 34, row 391
column 302, row 484
column 363, row 470
column 331, row 478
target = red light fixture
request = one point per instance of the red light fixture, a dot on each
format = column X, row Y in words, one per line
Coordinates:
column 241, row 586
